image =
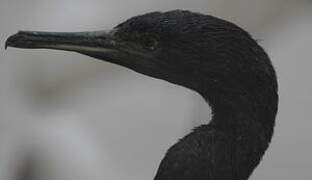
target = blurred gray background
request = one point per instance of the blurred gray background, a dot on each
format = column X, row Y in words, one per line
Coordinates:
column 69, row 117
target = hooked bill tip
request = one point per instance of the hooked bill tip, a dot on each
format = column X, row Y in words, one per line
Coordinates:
column 12, row 40
column 18, row 39
column 8, row 42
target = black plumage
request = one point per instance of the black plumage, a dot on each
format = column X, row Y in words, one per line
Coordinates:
column 213, row 57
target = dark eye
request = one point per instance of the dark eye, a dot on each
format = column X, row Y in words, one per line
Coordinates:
column 150, row 43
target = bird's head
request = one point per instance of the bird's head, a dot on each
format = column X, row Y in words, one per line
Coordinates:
column 185, row 48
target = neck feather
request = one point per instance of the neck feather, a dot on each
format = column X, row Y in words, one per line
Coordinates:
column 248, row 119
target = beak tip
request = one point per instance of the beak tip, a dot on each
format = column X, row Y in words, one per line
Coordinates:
column 10, row 41
column 14, row 40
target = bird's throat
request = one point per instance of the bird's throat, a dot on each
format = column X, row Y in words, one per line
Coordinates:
column 248, row 121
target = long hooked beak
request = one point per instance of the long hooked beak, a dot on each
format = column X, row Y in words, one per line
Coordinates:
column 103, row 45
column 83, row 42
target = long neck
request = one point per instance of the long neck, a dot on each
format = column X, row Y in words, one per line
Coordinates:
column 248, row 118
column 244, row 113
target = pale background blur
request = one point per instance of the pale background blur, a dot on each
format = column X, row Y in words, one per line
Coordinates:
column 75, row 118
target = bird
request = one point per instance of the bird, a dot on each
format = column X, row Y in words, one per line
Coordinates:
column 213, row 57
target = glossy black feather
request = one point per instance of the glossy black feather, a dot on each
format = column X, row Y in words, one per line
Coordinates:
column 224, row 64
column 211, row 56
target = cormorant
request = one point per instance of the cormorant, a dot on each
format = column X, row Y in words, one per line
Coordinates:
column 211, row 56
